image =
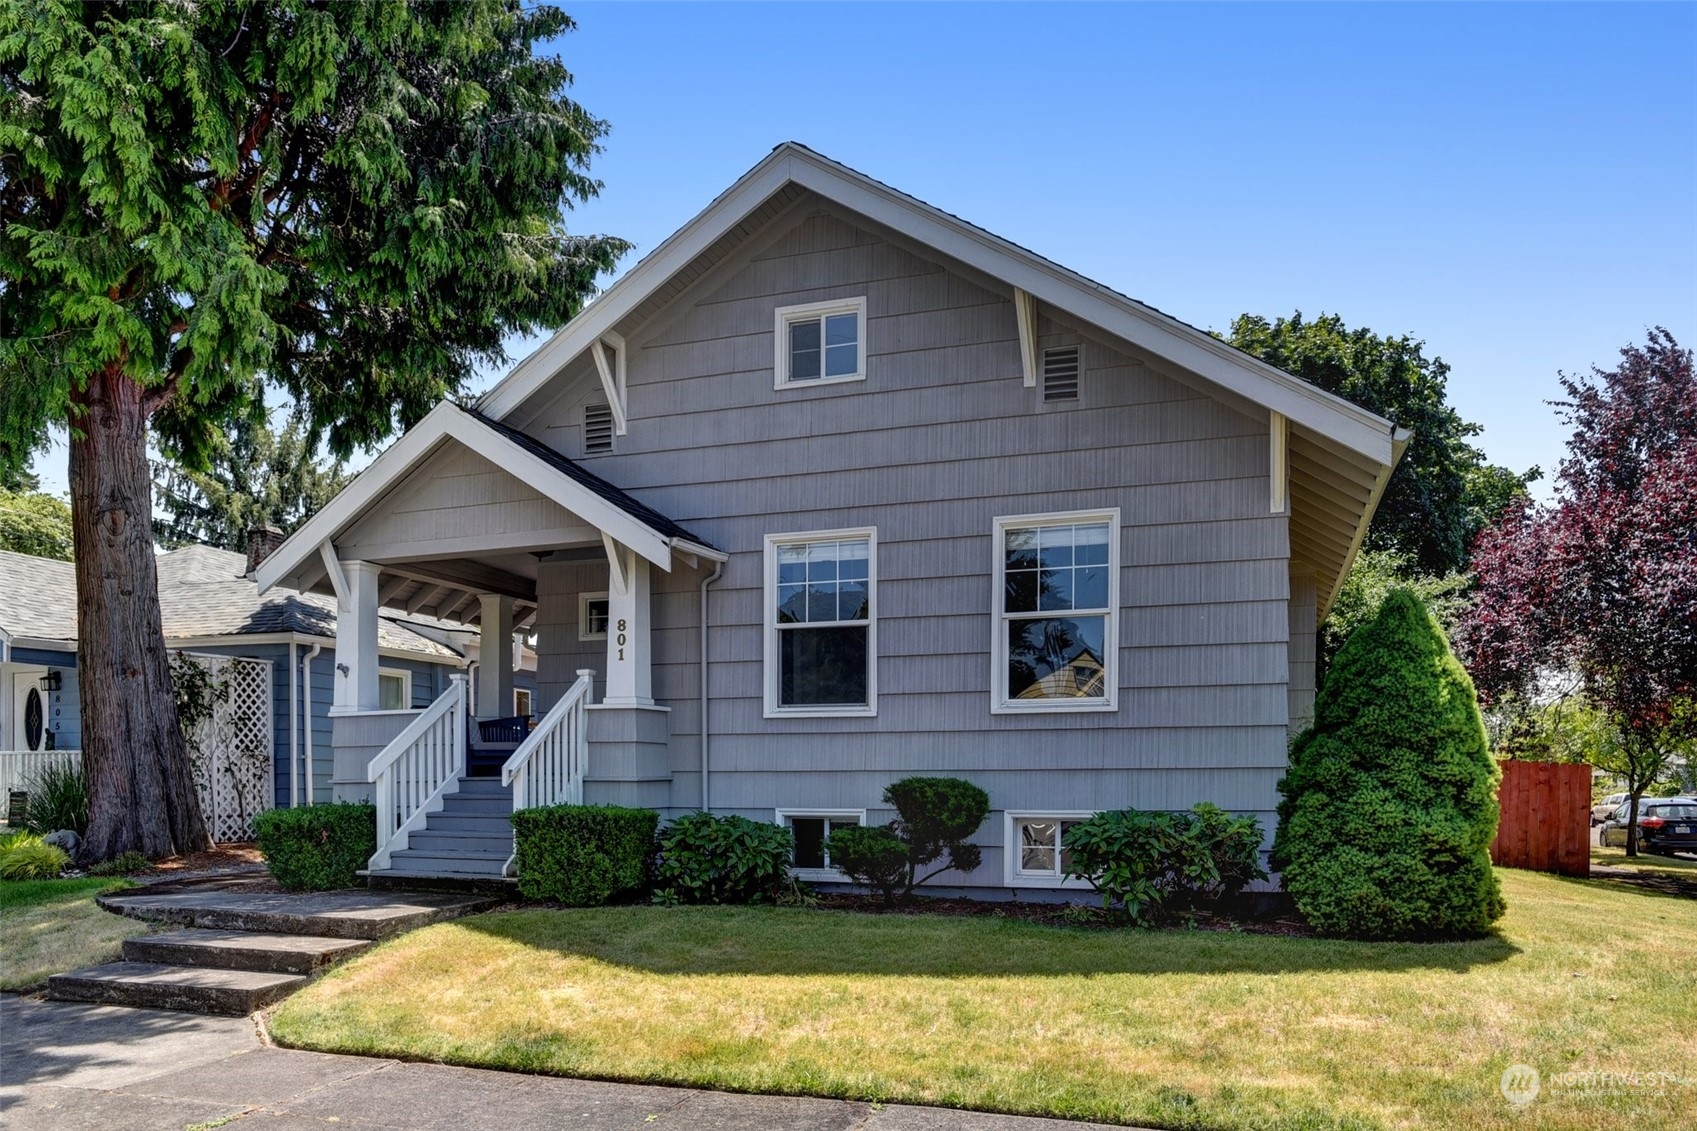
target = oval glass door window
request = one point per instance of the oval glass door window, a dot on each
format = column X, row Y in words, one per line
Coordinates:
column 33, row 719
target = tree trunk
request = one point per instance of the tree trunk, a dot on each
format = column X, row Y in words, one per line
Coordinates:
column 141, row 786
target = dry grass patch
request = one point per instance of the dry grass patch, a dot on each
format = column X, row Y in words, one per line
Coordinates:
column 1684, row 867
column 50, row 926
column 1165, row 1029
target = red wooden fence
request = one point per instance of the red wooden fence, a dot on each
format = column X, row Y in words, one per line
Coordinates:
column 1546, row 818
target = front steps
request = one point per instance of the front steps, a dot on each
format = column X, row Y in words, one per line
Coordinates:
column 468, row 841
column 242, row 951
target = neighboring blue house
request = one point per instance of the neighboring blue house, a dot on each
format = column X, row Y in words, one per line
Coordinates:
column 211, row 607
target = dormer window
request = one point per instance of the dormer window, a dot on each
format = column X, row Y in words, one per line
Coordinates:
column 820, row 343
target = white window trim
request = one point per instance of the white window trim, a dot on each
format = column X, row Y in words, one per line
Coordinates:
column 769, row 615
column 828, row 875
column 583, row 600
column 1011, row 874
column 528, row 694
column 1000, row 703
column 405, row 676
column 784, row 315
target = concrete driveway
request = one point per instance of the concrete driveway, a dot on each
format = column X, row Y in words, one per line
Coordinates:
column 67, row 1066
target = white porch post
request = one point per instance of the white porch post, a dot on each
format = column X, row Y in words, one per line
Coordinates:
column 356, row 639
column 629, row 673
column 495, row 657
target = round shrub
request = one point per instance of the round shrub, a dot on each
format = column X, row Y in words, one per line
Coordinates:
column 318, row 847
column 871, row 855
column 708, row 859
column 1390, row 802
column 28, row 857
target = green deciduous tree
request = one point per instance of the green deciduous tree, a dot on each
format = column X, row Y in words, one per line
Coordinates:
column 1442, row 492
column 256, row 477
column 1371, row 578
column 353, row 202
column 35, row 523
column 1390, row 802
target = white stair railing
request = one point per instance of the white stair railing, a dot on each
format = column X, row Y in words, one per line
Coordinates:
column 549, row 765
column 423, row 765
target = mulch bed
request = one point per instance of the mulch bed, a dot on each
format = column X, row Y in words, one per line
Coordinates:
column 1060, row 914
column 224, row 862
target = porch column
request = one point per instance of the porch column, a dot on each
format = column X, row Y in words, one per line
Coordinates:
column 629, row 673
column 356, row 639
column 495, row 657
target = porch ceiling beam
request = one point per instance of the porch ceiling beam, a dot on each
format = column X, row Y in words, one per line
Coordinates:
column 426, row 597
column 526, row 620
column 443, row 613
column 388, row 592
column 467, row 575
column 1025, row 310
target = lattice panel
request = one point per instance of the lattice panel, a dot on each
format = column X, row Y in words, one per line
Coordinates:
column 233, row 770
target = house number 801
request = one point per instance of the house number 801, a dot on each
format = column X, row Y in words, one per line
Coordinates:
column 623, row 624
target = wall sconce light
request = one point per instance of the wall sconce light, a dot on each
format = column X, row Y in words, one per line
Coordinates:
column 52, row 681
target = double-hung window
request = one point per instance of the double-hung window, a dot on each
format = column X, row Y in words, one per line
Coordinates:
column 820, row 343
column 821, row 623
column 1057, row 612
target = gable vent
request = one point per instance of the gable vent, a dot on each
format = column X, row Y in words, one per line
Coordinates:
column 597, row 428
column 1060, row 374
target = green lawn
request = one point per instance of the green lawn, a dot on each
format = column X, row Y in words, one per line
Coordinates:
column 1682, row 866
column 50, row 926
column 1167, row 1029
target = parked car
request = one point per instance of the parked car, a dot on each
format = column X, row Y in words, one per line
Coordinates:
column 1665, row 825
column 1606, row 809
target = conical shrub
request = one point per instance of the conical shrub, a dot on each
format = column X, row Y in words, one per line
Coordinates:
column 1390, row 802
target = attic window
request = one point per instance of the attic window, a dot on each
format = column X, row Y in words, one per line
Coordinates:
column 597, row 428
column 1060, row 374
column 820, row 343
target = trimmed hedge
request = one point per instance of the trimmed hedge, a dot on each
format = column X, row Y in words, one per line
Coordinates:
column 583, row 855
column 1390, row 802
column 934, row 816
column 1141, row 860
column 319, row 847
column 708, row 859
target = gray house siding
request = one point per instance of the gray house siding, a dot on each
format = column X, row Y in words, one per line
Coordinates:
column 940, row 440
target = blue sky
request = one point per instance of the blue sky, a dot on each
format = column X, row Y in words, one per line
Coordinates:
column 1515, row 184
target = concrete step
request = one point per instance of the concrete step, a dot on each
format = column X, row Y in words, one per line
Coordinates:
column 304, row 955
column 455, row 840
column 154, row 985
column 353, row 914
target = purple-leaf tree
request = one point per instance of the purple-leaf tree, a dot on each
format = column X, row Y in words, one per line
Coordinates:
column 1602, row 583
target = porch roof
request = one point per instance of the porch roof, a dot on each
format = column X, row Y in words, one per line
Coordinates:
column 440, row 570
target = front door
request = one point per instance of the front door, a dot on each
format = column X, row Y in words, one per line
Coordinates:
column 29, row 711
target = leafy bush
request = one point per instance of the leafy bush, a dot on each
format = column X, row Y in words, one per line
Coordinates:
column 583, row 855
column 1142, row 861
column 708, row 859
column 319, row 847
column 26, row 856
column 871, row 855
column 121, row 865
column 1389, row 805
column 934, row 816
column 58, row 799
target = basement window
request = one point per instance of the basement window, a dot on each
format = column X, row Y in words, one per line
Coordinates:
column 811, row 859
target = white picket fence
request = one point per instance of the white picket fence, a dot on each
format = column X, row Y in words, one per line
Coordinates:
column 20, row 767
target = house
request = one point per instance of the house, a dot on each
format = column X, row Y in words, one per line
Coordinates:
column 833, row 488
column 211, row 609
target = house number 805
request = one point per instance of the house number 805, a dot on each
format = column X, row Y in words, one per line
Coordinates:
column 622, row 626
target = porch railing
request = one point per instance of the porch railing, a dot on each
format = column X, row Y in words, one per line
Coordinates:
column 418, row 769
column 549, row 765
column 20, row 767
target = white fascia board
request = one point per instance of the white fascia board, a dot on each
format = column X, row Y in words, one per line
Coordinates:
column 447, row 421
column 237, row 640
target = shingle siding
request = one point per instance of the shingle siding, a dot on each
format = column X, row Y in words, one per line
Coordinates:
column 939, row 440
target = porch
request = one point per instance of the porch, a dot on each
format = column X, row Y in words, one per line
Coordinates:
column 462, row 521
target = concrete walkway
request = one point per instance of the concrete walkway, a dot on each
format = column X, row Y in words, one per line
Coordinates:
column 67, row 1066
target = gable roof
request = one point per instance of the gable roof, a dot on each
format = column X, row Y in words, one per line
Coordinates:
column 203, row 592
column 793, row 164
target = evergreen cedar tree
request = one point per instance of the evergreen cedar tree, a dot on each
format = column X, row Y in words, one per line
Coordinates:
column 1603, row 582
column 1390, row 803
column 1442, row 492
column 351, row 202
